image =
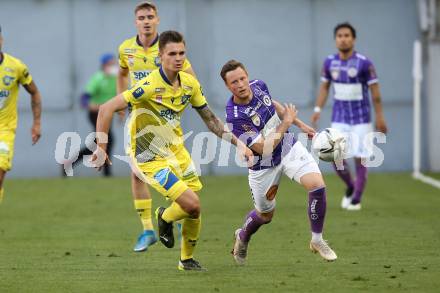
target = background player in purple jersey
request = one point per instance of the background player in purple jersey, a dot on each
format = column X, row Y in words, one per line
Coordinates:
column 352, row 76
column 255, row 118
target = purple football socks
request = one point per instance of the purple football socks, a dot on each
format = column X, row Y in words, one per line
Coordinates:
column 251, row 225
column 345, row 175
column 361, row 181
column 316, row 209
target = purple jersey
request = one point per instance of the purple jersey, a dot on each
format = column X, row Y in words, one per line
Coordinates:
column 350, row 79
column 258, row 119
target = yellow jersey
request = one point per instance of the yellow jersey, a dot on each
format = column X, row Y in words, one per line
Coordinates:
column 155, row 126
column 141, row 62
column 13, row 72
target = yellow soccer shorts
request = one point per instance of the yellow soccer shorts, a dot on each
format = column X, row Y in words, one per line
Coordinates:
column 7, row 138
column 173, row 175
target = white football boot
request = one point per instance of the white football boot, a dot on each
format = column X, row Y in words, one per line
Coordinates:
column 239, row 252
column 346, row 201
column 354, row 207
column 324, row 250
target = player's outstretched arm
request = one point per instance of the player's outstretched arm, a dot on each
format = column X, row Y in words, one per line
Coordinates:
column 265, row 146
column 320, row 102
column 32, row 89
column 216, row 126
column 103, row 123
column 377, row 103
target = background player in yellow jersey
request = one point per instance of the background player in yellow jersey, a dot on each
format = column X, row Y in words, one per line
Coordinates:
column 158, row 103
column 13, row 72
column 138, row 56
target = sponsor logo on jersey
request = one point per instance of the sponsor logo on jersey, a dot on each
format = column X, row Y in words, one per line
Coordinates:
column 187, row 88
column 7, row 80
column 159, row 90
column 138, row 75
column 159, row 99
column 352, row 72
column 138, row 93
column 129, row 51
column 168, row 114
column 267, row 101
column 9, row 69
column 248, row 129
column 130, row 60
column 4, row 94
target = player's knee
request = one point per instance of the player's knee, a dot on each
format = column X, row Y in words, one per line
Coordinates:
column 266, row 217
column 194, row 209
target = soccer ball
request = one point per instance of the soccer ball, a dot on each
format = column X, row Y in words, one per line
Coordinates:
column 330, row 145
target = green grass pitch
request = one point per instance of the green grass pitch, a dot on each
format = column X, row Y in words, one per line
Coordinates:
column 77, row 235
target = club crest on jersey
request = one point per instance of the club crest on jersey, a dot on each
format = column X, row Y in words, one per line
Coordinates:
column 130, row 60
column 267, row 101
column 334, row 73
column 185, row 99
column 352, row 72
column 157, row 61
column 7, row 80
column 256, row 120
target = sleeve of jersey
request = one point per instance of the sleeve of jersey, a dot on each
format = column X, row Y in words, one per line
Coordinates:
column 370, row 73
column 122, row 62
column 186, row 65
column 25, row 77
column 198, row 100
column 136, row 94
column 325, row 72
column 244, row 130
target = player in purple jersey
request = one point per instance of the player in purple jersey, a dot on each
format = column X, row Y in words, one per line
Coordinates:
column 255, row 118
column 353, row 76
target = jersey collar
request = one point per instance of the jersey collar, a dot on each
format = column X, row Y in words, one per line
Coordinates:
column 165, row 78
column 2, row 57
column 138, row 41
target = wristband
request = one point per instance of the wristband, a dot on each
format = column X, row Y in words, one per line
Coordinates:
column 317, row 109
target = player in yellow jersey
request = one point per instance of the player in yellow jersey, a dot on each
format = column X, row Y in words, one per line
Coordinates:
column 138, row 56
column 13, row 72
column 158, row 103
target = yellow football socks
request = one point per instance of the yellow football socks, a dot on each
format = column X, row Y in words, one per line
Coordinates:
column 174, row 213
column 190, row 235
column 143, row 208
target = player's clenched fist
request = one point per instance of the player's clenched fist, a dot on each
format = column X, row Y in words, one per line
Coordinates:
column 99, row 158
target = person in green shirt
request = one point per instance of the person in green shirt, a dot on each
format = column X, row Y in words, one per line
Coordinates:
column 100, row 88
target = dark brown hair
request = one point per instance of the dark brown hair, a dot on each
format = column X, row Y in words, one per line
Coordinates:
column 170, row 37
column 230, row 66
